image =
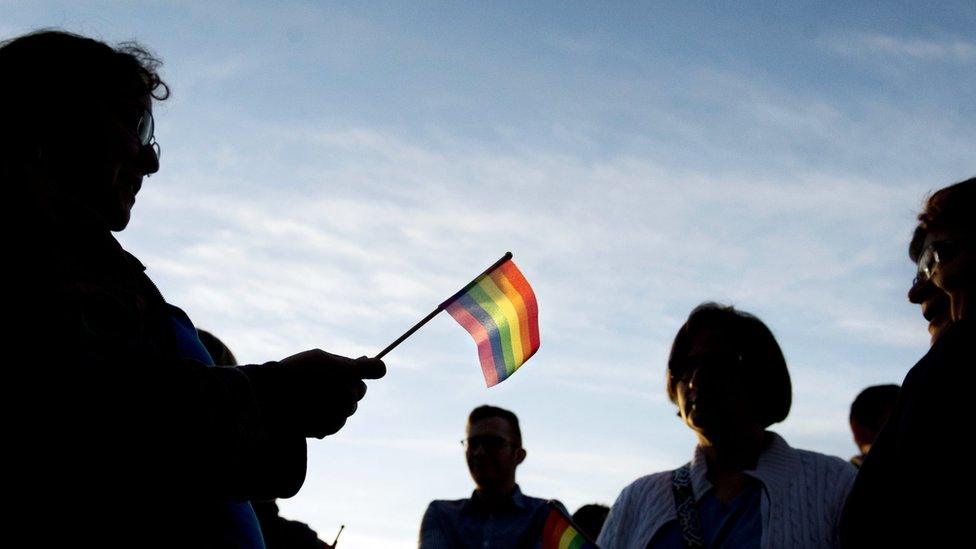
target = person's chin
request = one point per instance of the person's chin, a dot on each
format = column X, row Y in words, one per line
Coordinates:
column 485, row 484
column 936, row 327
column 480, row 473
column 126, row 200
column 119, row 221
column 703, row 423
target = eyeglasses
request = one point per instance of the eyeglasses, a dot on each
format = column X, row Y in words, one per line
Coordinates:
column 145, row 130
column 723, row 365
column 490, row 443
column 932, row 255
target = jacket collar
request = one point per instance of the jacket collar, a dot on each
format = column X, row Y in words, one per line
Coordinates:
column 773, row 470
column 476, row 503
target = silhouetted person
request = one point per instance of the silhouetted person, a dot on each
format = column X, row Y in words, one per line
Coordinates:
column 869, row 412
column 590, row 519
column 218, row 350
column 744, row 487
column 913, row 488
column 277, row 531
column 124, row 435
column 497, row 514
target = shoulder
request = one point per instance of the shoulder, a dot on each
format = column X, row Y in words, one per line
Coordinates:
column 638, row 511
column 441, row 514
column 785, row 457
column 951, row 354
column 834, row 464
column 646, row 495
column 783, row 465
column 831, row 474
column 535, row 503
column 648, row 485
column 445, row 506
column 438, row 528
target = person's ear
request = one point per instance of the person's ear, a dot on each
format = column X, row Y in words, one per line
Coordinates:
column 862, row 435
column 520, row 456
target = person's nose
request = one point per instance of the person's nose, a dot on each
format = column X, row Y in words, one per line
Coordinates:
column 921, row 288
column 147, row 160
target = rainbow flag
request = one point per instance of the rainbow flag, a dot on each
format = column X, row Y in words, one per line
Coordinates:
column 499, row 310
column 559, row 532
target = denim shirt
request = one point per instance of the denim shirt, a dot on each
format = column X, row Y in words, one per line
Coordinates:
column 468, row 523
column 734, row 524
column 234, row 523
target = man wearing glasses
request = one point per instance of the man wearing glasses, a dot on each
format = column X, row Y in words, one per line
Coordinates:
column 497, row 514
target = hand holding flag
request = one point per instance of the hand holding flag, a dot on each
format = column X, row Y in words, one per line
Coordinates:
column 499, row 310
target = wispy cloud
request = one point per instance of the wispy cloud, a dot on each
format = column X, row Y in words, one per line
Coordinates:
column 274, row 247
column 331, row 173
column 897, row 48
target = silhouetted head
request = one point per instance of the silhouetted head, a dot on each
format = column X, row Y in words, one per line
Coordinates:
column 77, row 122
column 493, row 449
column 942, row 248
column 870, row 411
column 726, row 373
column 590, row 519
column 219, row 352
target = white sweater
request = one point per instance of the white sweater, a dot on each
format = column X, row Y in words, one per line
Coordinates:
column 803, row 494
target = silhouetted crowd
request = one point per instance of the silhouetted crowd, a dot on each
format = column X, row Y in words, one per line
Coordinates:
column 128, row 427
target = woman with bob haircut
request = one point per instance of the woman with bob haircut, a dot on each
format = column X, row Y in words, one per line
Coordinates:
column 745, row 486
column 123, row 432
column 908, row 490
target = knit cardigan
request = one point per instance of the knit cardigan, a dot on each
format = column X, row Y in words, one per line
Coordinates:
column 803, row 494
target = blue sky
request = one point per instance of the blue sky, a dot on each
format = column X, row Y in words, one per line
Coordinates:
column 332, row 171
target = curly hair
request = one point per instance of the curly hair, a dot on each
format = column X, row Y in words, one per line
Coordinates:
column 58, row 87
column 948, row 209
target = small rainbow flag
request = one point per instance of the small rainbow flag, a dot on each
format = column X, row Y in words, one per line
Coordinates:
column 499, row 310
column 559, row 532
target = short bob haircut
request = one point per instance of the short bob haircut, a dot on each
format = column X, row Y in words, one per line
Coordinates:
column 948, row 209
column 761, row 356
column 486, row 411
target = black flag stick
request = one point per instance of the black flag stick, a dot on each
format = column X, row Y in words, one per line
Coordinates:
column 442, row 306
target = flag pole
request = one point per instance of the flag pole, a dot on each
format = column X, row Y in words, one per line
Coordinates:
column 336, row 540
column 442, row 306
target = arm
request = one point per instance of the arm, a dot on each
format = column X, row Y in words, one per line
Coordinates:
column 844, row 481
column 97, row 379
column 617, row 524
column 433, row 534
column 843, row 475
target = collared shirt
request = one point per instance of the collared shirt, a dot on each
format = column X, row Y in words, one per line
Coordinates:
column 723, row 524
column 469, row 523
column 802, row 494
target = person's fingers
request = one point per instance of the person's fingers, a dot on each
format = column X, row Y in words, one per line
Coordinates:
column 358, row 389
column 370, row 368
column 326, row 388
